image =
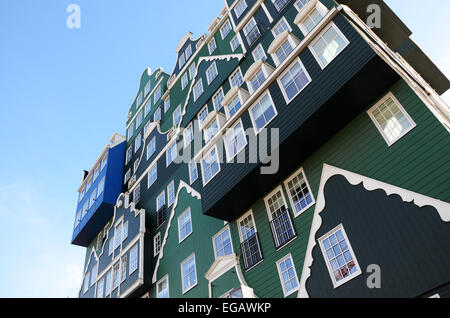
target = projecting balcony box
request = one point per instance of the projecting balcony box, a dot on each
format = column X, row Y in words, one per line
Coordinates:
column 99, row 192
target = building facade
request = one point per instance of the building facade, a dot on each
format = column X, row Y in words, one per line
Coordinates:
column 294, row 151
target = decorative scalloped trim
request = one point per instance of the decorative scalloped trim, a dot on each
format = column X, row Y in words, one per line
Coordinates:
column 443, row 208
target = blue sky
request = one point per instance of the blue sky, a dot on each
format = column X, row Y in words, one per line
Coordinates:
column 64, row 92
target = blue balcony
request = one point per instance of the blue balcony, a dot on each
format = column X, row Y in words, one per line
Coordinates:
column 99, row 193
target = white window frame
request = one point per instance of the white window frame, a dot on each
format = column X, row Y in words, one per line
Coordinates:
column 218, row 162
column 151, row 144
column 212, row 66
column 286, row 98
column 325, row 258
column 271, row 194
column 192, row 70
column 230, row 131
column 155, row 167
column 259, row 47
column 191, row 181
column 175, row 112
column 291, row 177
column 137, row 144
column 162, row 194
column 380, row 129
column 155, row 240
column 242, row 8
column 157, row 112
column 132, row 269
column 254, row 105
column 322, row 11
column 128, row 154
column 166, row 104
column 212, row 42
column 184, row 81
column 196, row 273
column 181, row 239
column 238, row 69
column 236, row 37
column 252, row 20
column 226, row 24
column 188, row 135
column 226, row 228
column 199, row 83
column 201, row 121
column 171, row 186
column 216, row 107
column 286, row 293
column 174, row 144
column 147, row 88
column 166, row 277
column 283, row 19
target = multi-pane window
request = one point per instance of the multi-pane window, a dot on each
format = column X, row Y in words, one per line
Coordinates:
column 234, row 106
column 111, row 246
column 127, row 176
column 129, row 154
column 167, row 104
column 257, row 80
column 288, row 275
column 152, row 175
column 212, row 46
column 301, row 3
column 279, row 4
column 211, row 73
column 189, row 273
column 86, row 282
column 299, row 192
column 133, row 259
column 184, row 81
column 100, row 287
column 151, row 147
column 118, row 235
column 108, row 283
column 222, row 243
column 236, row 79
column 210, row 165
column 251, row 31
column 234, row 43
column 138, row 120
column 177, row 115
column 339, row 256
column 171, row 193
column 171, row 154
column 262, row 113
column 294, row 80
column 96, row 172
column 104, row 161
column 147, row 88
column 240, row 8
column 281, row 26
column 123, row 274
column 283, row 51
column 137, row 194
column 225, row 29
column 138, row 142
column 161, row 201
column 158, row 93
column 125, row 231
column 198, row 89
column 193, row 171
column 162, row 288
column 181, row 61
column 250, row 247
column 391, row 119
column 192, row 71
column 235, row 140
column 157, row 114
column 184, row 225
column 116, row 275
column 188, row 135
column 217, row 99
column 139, row 100
column 156, row 244
column 202, row 115
column 147, row 108
column 136, row 165
column 328, row 45
column 101, row 187
column 92, row 198
column 311, row 20
column 258, row 53
column 130, row 132
column 211, row 130
column 85, row 209
column 188, row 52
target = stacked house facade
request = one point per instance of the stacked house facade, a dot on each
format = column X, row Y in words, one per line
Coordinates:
column 294, row 151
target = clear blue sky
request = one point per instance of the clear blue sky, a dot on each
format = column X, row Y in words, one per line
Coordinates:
column 63, row 92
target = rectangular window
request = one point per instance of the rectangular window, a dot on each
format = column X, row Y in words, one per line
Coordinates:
column 184, row 81
column 108, row 283
column 147, row 108
column 193, row 171
column 328, row 45
column 161, row 201
column 251, row 31
column 171, row 154
column 257, row 80
column 177, row 115
column 233, row 107
column 251, row 250
column 188, row 52
column 188, row 135
column 157, row 95
column 299, row 192
column 127, row 176
column 138, row 142
column 198, row 89
column 262, row 112
column 211, row 130
column 310, row 21
column 104, row 161
column 136, row 165
column 124, row 268
column 288, row 275
column 283, row 51
column 167, row 104
column 170, row 193
column 192, row 71
column 86, row 283
column 189, row 273
column 118, row 235
column 299, row 4
column 157, row 114
column 391, row 119
column 339, row 257
column 222, row 243
column 101, row 187
column 130, row 132
column 137, row 194
column 162, row 288
column 234, row 43
column 139, row 100
column 181, row 61
column 240, row 8
column 258, row 53
column 280, row 27
column 202, row 115
column 111, row 246
column 212, row 46
column 147, row 88
column 134, row 259
column 129, row 154
column 96, row 172
column 138, row 120
column 184, row 225
column 236, row 79
column 211, row 73
column 294, row 80
column 116, row 275
column 100, row 288
column 125, row 231
column 152, row 175
column 217, row 99
column 92, row 198
column 225, row 29
column 210, row 166
column 235, row 140
column 156, row 244
column 151, row 148
column 147, row 128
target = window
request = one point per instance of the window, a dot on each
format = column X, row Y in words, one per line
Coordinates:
column 211, row 73
column 262, row 112
column 236, row 79
column 152, row 175
column 92, row 198
column 198, row 89
column 147, row 88
column 283, row 51
column 250, row 247
column 193, row 171
column 151, row 147
column 177, row 115
column 391, row 119
column 111, row 246
column 181, row 61
column 123, row 275
column 234, row 43
column 217, row 99
column 184, row 225
column 162, row 288
column 279, row 4
column 108, row 283
column 138, row 142
column 184, row 81
column 225, row 29
column 188, row 273
column 222, row 243
column 202, row 115
column 280, row 27
column 136, row 165
column 139, row 100
column 210, row 165
column 240, row 8
column 161, row 201
column 192, row 71
column 188, row 52
column 156, row 244
column 104, row 161
column 157, row 114
column 101, row 187
column 299, row 4
column 188, row 135
column 257, row 80
column 86, row 282
column 167, row 104
column 118, row 235
column 211, row 130
column 171, row 193
column 127, row 176
column 157, row 95
column 310, row 21
column 96, row 172
column 294, row 80
column 234, row 106
column 235, row 293
column 171, row 154
column 137, row 194
column 212, row 46
column 288, row 275
column 147, row 108
column 235, row 140
column 251, row 31
column 133, row 259
column 125, row 231
column 339, row 257
column 258, row 53
column 116, row 275
column 328, row 45
column 138, row 120
column 85, row 209
column 129, row 154
column 299, row 192
column 130, row 132
column 100, row 288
